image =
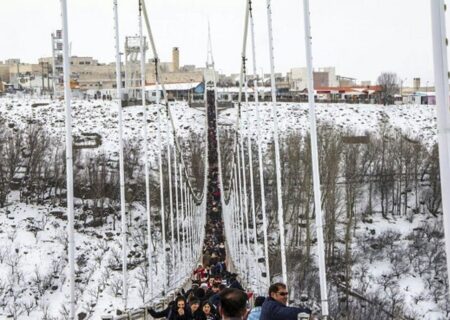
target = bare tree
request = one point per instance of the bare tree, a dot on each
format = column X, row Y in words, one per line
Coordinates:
column 389, row 86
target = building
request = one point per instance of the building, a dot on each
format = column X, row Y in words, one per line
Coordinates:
column 26, row 76
column 98, row 79
column 87, row 73
column 323, row 77
column 353, row 94
column 4, row 73
column 346, row 81
column 188, row 91
column 12, row 61
column 232, row 93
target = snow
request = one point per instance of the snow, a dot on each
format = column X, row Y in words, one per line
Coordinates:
column 417, row 121
column 45, row 254
column 100, row 117
column 45, row 251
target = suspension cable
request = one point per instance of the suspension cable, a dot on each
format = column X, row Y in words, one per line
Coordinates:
column 315, row 163
column 189, row 198
column 121, row 161
column 182, row 212
column 240, row 213
column 249, row 140
column 241, row 80
column 177, row 210
column 244, row 166
column 146, row 161
column 277, row 146
column 241, row 165
column 161, row 194
column 69, row 158
column 159, row 81
column 259, row 138
column 440, row 64
column 169, row 165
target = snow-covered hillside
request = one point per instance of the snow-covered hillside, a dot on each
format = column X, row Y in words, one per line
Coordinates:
column 100, row 117
column 33, row 237
column 418, row 121
column 33, row 262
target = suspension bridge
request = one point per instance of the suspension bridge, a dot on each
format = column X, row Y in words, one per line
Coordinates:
column 228, row 193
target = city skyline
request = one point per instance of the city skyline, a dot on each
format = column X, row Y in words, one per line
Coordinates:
column 361, row 38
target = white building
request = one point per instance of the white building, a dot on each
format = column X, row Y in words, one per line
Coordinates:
column 323, row 77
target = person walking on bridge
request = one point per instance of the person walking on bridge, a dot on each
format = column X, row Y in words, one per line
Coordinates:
column 233, row 304
column 255, row 314
column 275, row 306
column 178, row 310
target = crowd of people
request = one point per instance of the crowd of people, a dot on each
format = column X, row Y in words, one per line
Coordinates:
column 215, row 300
column 215, row 292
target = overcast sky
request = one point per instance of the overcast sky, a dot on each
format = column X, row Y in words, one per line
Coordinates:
column 361, row 38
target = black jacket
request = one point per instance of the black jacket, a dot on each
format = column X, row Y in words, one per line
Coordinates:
column 274, row 310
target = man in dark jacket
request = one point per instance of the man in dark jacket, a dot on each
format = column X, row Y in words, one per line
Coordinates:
column 233, row 304
column 234, row 283
column 215, row 299
column 275, row 307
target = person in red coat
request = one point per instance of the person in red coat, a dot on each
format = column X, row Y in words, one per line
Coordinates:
column 200, row 272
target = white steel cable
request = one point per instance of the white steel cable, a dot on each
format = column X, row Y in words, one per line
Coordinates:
column 242, row 233
column 244, row 175
column 241, row 165
column 235, row 225
column 261, row 169
column 159, row 81
column 182, row 213
column 443, row 112
column 191, row 234
column 69, row 157
column 146, row 160
column 188, row 226
column 177, row 210
column 241, row 80
column 169, row 165
column 191, row 205
column 121, row 162
column 238, row 206
column 161, row 189
column 277, row 146
column 198, row 199
column 232, row 210
column 315, row 163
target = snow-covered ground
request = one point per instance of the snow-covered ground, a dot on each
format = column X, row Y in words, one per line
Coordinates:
column 40, row 254
column 33, row 237
column 417, row 121
column 101, row 117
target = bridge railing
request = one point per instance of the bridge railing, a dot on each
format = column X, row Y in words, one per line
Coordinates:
column 142, row 313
